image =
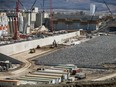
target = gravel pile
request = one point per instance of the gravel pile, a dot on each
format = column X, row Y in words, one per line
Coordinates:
column 94, row 52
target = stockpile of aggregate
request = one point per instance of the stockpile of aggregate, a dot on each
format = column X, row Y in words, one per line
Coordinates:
column 95, row 52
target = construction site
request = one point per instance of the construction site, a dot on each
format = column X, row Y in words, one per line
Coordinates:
column 57, row 49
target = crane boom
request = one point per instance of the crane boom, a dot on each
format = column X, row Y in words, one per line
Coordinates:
column 108, row 7
column 51, row 16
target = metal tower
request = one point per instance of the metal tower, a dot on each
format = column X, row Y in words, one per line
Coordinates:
column 15, row 37
column 51, row 16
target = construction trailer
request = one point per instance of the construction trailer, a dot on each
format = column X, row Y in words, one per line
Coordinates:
column 52, row 69
column 58, row 71
column 65, row 75
column 47, row 74
column 69, row 67
column 9, row 83
column 57, row 78
column 36, row 80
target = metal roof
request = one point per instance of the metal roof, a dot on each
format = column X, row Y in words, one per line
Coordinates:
column 44, row 76
column 35, row 79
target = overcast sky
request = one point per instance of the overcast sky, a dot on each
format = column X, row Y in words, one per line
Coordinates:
column 61, row 4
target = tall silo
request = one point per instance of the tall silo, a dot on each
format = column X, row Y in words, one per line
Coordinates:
column 92, row 9
column 20, row 20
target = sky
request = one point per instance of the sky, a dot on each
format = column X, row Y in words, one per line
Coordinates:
column 61, row 4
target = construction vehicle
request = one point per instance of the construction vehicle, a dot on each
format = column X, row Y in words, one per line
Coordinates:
column 80, row 75
column 54, row 44
column 32, row 50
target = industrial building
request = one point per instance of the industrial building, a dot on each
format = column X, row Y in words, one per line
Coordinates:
column 3, row 24
column 21, row 24
column 75, row 21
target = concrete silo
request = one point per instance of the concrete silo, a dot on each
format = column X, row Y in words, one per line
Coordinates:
column 92, row 9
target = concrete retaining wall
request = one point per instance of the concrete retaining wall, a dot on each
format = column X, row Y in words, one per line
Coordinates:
column 24, row 46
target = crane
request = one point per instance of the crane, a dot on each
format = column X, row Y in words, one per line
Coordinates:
column 51, row 16
column 16, row 21
column 107, row 7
